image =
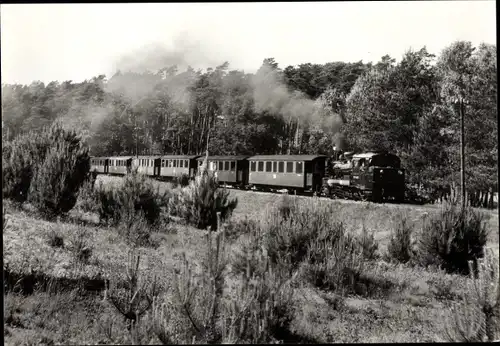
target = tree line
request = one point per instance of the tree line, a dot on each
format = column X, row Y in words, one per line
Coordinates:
column 407, row 107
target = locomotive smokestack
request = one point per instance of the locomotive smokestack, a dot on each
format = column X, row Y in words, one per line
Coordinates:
column 340, row 142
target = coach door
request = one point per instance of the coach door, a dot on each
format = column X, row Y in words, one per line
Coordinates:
column 318, row 173
column 157, row 166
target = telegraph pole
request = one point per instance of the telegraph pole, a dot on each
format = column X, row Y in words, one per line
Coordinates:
column 461, row 108
column 462, row 150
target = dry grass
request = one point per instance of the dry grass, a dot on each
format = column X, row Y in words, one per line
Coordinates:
column 410, row 309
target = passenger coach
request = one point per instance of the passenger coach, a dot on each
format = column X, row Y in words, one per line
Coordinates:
column 120, row 165
column 231, row 170
column 177, row 165
column 293, row 172
column 99, row 164
column 149, row 165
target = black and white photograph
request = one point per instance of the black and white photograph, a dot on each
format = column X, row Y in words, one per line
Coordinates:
column 250, row 172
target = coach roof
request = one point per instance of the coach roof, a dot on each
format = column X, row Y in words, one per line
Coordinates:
column 285, row 157
column 154, row 157
column 120, row 157
column 182, row 157
column 224, row 158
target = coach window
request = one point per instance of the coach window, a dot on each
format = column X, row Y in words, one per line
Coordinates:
column 252, row 166
column 289, row 167
column 226, row 166
column 260, row 166
column 275, row 167
column 220, row 166
column 181, row 163
column 186, row 163
column 298, row 167
column 233, row 165
column 269, row 166
column 281, row 167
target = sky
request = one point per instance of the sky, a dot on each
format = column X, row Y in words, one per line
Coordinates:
column 62, row 42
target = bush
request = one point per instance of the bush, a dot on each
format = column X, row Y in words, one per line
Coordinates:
column 255, row 309
column 311, row 241
column 335, row 263
column 55, row 239
column 181, row 180
column 400, row 245
column 477, row 319
column 19, row 161
column 453, row 237
column 47, row 167
column 87, row 195
column 135, row 230
column 289, row 234
column 250, row 250
column 369, row 246
column 56, row 182
column 200, row 202
column 136, row 195
column 234, row 229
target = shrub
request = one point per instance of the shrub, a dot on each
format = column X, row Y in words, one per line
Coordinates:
column 255, row 309
column 135, row 229
column 181, row 180
column 27, row 153
column 453, row 237
column 133, row 301
column 19, row 160
column 400, row 244
column 199, row 203
column 56, row 182
column 310, row 241
column 250, row 250
column 234, row 229
column 477, row 319
column 369, row 246
column 335, row 263
column 286, row 206
column 81, row 247
column 87, row 195
column 136, row 195
column 55, row 239
column 289, row 235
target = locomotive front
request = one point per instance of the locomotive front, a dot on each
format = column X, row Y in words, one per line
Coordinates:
column 368, row 176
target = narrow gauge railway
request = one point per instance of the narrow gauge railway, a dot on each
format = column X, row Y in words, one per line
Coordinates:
column 373, row 176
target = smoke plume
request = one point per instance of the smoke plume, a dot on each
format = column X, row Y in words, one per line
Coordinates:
column 272, row 95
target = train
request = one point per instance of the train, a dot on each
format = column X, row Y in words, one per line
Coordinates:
column 373, row 176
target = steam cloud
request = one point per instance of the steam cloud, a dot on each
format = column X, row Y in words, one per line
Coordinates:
column 144, row 69
column 272, row 95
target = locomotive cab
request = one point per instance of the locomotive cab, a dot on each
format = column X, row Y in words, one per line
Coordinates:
column 379, row 175
column 375, row 175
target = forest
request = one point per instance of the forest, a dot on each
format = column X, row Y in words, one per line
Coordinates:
column 408, row 107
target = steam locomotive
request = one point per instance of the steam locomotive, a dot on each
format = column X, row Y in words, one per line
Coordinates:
column 374, row 176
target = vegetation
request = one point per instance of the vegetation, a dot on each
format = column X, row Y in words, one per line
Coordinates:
column 136, row 195
column 301, row 276
column 406, row 107
column 196, row 263
column 477, row 319
column 400, row 246
column 453, row 237
column 200, row 201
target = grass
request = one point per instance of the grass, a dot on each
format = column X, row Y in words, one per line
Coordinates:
column 409, row 307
